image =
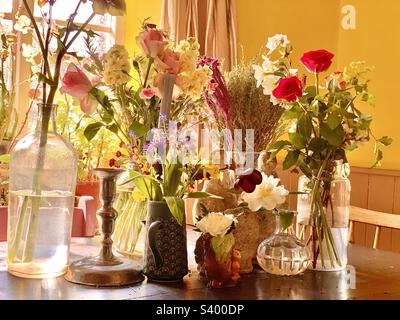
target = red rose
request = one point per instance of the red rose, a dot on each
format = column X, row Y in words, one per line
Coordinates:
column 288, row 89
column 317, row 61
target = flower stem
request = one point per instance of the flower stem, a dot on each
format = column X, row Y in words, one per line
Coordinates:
column 151, row 60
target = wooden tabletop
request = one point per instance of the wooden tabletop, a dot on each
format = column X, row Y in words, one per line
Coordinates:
column 371, row 274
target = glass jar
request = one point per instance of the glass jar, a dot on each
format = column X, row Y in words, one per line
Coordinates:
column 43, row 171
column 132, row 209
column 284, row 254
column 337, row 214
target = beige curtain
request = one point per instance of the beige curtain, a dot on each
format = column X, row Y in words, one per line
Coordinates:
column 212, row 22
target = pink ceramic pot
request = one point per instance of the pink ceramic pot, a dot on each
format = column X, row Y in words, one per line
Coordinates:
column 91, row 189
column 84, row 223
column 3, row 223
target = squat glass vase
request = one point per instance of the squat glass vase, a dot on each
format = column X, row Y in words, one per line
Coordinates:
column 43, row 171
column 284, row 254
column 337, row 216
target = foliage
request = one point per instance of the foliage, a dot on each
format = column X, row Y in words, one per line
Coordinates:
column 72, row 125
column 325, row 122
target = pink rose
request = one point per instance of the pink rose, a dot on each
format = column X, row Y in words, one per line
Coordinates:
column 288, row 89
column 147, row 94
column 317, row 61
column 77, row 84
column 152, row 42
column 170, row 62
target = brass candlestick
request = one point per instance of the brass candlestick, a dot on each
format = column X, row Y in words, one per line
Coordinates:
column 105, row 270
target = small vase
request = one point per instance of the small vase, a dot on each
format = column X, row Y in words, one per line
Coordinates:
column 218, row 187
column 132, row 212
column 165, row 253
column 89, row 188
column 337, row 215
column 129, row 222
column 284, row 254
column 43, row 171
column 219, row 274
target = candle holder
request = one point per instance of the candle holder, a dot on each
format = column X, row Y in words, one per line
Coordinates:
column 105, row 270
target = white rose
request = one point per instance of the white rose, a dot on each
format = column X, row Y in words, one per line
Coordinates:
column 216, row 224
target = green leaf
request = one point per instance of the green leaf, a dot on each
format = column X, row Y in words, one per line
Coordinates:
column 334, row 137
column 314, row 108
column 317, row 145
column 5, row 158
column 365, row 121
column 293, row 113
column 43, row 78
column 177, row 208
column 304, row 126
column 222, row 247
column 147, row 185
column 386, row 141
column 378, row 157
column 92, row 129
column 291, row 159
column 113, row 128
column 278, row 145
column 285, row 219
column 305, row 169
column 201, row 195
column 334, row 119
column 297, row 140
column 139, row 128
column 172, row 178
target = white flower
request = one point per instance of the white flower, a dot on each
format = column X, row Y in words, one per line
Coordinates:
column 216, row 224
column 264, row 76
column 23, row 24
column 29, row 52
column 277, row 41
column 268, row 194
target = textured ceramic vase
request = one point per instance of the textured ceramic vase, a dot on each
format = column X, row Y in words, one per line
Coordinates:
column 165, row 253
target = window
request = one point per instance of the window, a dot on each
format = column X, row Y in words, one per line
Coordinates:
column 110, row 31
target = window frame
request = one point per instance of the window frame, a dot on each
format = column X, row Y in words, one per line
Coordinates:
column 23, row 68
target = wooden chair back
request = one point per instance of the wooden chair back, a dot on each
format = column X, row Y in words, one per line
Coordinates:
column 378, row 219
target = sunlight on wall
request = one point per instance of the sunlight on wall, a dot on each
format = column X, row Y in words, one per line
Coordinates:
column 137, row 11
column 316, row 24
column 376, row 40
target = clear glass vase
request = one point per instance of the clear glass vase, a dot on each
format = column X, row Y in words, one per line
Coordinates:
column 132, row 209
column 284, row 254
column 337, row 216
column 43, row 171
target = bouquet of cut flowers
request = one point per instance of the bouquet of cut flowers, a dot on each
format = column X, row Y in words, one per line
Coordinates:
column 325, row 123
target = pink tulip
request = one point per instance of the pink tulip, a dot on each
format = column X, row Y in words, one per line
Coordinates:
column 77, row 84
column 147, row 94
column 152, row 42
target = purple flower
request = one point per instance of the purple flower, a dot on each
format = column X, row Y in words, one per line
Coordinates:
column 133, row 134
column 163, row 117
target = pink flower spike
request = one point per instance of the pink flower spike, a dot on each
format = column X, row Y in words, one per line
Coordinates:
column 147, row 94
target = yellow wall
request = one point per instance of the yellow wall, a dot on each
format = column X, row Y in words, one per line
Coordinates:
column 376, row 40
column 315, row 24
column 307, row 23
column 137, row 11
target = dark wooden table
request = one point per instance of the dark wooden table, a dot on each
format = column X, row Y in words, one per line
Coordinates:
column 372, row 274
